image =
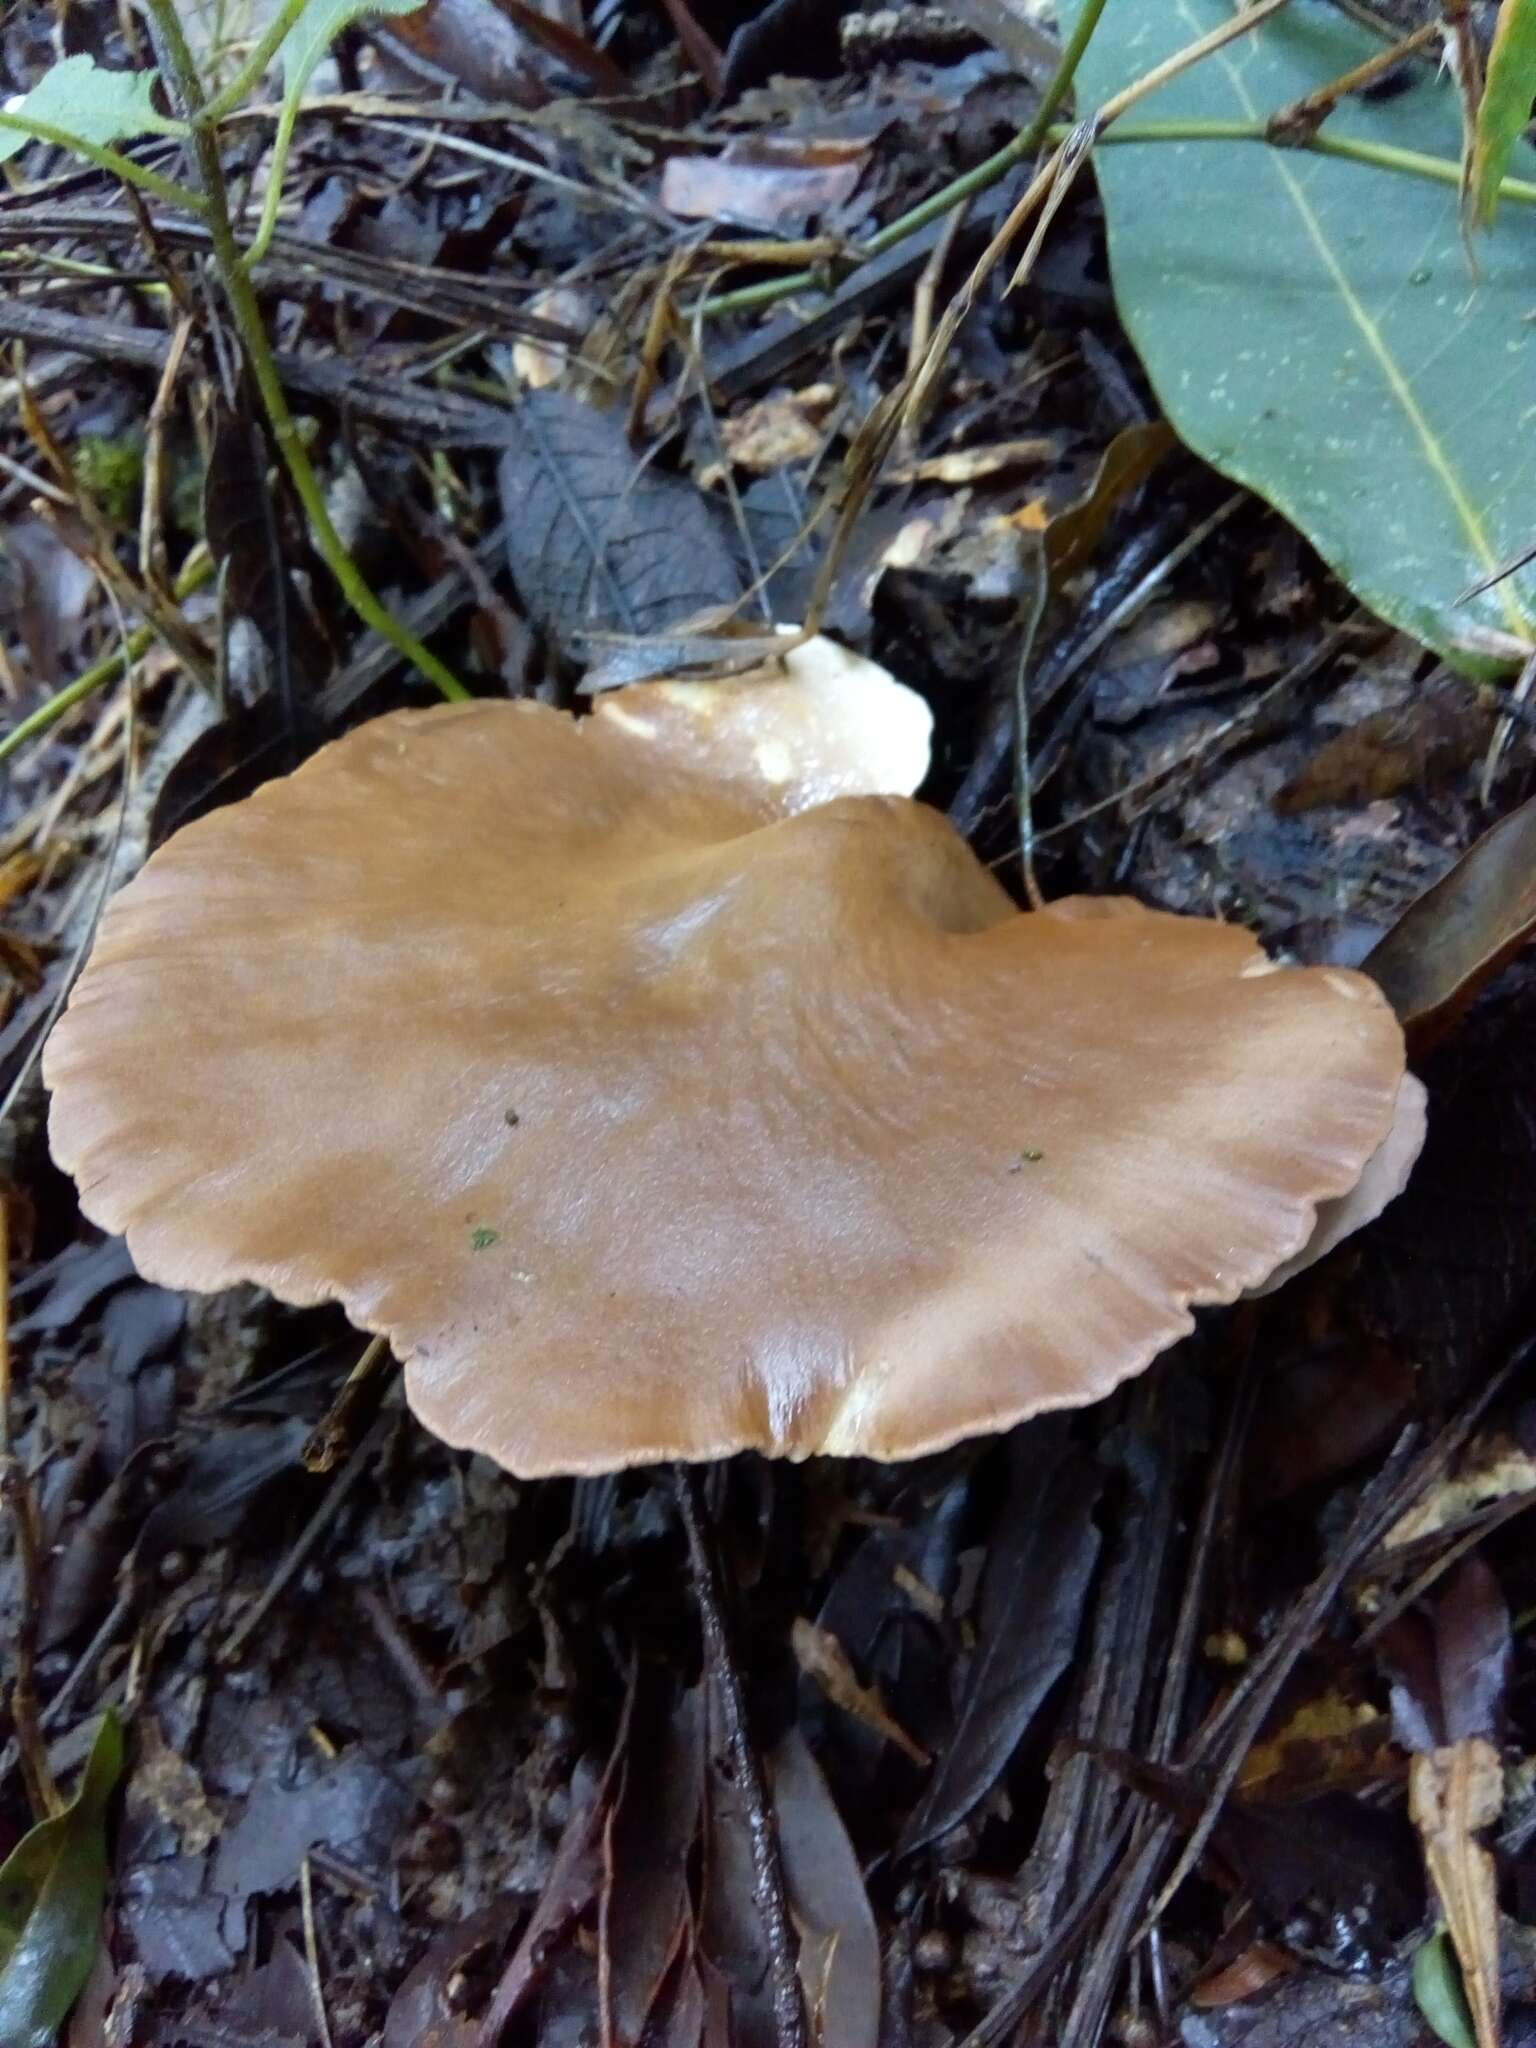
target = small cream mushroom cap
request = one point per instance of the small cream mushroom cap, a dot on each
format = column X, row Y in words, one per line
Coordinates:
column 653, row 1107
column 818, row 722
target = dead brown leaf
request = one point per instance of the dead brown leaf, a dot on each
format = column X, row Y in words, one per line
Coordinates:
column 785, row 427
column 1246, row 1975
column 762, row 184
column 822, row 1657
column 971, row 465
column 1447, row 945
column 1453, row 1795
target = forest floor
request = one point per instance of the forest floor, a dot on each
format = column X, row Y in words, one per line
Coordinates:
column 419, row 1753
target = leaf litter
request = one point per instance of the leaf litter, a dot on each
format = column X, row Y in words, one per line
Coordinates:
column 416, row 1753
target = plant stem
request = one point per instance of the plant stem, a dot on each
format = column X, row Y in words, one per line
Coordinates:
column 198, row 571
column 253, row 336
column 1060, row 82
column 1381, row 156
column 751, row 1788
column 251, row 71
column 1377, row 155
column 111, row 160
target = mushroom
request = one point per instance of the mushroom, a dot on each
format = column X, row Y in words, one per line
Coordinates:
column 668, row 1083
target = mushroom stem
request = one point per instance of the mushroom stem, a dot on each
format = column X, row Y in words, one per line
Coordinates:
column 720, row 1671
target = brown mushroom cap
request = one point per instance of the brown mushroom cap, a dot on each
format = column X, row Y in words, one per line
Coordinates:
column 651, row 1115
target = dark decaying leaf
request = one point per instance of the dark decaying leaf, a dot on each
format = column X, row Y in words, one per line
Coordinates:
column 141, row 1323
column 1424, row 745
column 700, row 2013
column 1323, row 1409
column 51, row 1890
column 839, row 1942
column 348, row 1804
column 60, row 1292
column 1450, row 1670
column 646, row 1915
column 897, row 1647
column 1073, row 536
column 1335, row 1855
column 223, row 1475
column 240, row 518
column 732, row 1940
column 77, row 1588
column 1039, row 1564
column 426, row 2012
column 1327, row 1857
column 1442, row 1272
column 796, row 36
column 574, row 1880
column 598, row 540
column 1456, row 937
column 471, row 41
column 229, row 760
column 1315, row 2008
column 140, row 1333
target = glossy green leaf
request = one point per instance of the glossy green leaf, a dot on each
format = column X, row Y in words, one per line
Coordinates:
column 1311, row 324
column 1439, row 1993
column 78, row 97
column 1506, row 105
column 51, row 1890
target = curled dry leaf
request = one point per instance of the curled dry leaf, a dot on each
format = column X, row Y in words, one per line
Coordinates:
column 784, row 428
column 763, row 184
column 1450, row 1676
column 1073, row 536
column 1495, row 1467
column 974, row 465
column 1456, row 937
column 1454, row 1795
column 821, row 1656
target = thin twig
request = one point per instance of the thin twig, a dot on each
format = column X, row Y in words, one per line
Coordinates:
column 111, row 160
column 239, row 291
column 197, row 571
column 1298, row 122
column 16, row 1493
column 767, row 1869
column 309, row 1536
column 329, row 1439
column 312, row 1950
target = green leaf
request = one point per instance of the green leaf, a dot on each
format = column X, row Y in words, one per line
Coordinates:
column 1439, row 1993
column 77, row 96
column 51, row 1890
column 1311, row 325
column 1506, row 106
